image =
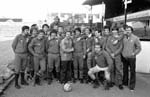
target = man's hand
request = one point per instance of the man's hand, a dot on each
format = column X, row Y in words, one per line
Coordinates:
column 88, row 50
column 113, row 55
column 84, row 56
column 72, row 49
column 96, row 57
column 133, row 54
column 78, row 38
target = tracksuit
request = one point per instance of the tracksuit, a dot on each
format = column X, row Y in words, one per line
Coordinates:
column 38, row 47
column 78, row 56
column 53, row 49
column 19, row 47
column 89, row 44
column 114, row 46
column 103, row 62
column 66, row 53
column 132, row 47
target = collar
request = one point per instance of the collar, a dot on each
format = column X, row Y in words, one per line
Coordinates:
column 89, row 35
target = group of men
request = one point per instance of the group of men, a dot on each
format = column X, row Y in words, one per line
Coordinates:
column 76, row 54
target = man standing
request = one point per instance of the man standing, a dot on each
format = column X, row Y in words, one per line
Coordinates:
column 105, row 34
column 79, row 55
column 89, row 44
column 38, row 47
column 61, row 32
column 19, row 47
column 132, row 47
column 114, row 48
column 55, row 24
column 33, row 34
column 53, row 49
column 66, row 50
column 45, row 28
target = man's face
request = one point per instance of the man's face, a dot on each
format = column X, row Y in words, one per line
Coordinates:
column 63, row 34
column 45, row 28
column 60, row 29
column 97, row 34
column 56, row 20
column 87, row 31
column 48, row 32
column 77, row 33
column 68, row 34
column 55, row 27
column 34, row 32
column 121, row 31
column 97, row 48
column 115, row 33
column 26, row 31
column 40, row 35
column 82, row 28
column 53, row 35
column 128, row 31
column 106, row 31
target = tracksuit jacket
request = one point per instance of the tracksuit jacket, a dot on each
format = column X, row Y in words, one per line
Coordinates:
column 79, row 45
column 131, row 45
column 37, row 46
column 19, row 44
column 66, row 47
column 102, row 59
column 53, row 46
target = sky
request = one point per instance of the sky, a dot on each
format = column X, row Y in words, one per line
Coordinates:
column 32, row 10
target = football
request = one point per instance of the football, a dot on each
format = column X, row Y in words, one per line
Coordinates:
column 67, row 87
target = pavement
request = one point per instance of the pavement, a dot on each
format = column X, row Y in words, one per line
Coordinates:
column 82, row 90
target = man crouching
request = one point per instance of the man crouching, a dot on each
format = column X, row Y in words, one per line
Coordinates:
column 103, row 63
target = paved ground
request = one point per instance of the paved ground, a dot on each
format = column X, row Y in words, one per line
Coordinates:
column 82, row 90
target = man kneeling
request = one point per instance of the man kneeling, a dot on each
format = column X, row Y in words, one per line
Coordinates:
column 103, row 63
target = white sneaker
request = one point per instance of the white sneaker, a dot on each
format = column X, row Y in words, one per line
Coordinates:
column 132, row 90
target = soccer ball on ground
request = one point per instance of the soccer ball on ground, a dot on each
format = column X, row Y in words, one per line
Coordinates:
column 67, row 87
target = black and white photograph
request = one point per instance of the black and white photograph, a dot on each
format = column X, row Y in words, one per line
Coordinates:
column 74, row 48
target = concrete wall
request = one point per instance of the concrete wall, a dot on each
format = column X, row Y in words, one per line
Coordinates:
column 143, row 59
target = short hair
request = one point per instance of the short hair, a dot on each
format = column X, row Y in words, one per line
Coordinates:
column 98, row 45
column 115, row 28
column 61, row 26
column 106, row 27
column 78, row 29
column 33, row 25
column 68, row 32
column 130, row 28
column 25, row 27
column 41, row 31
column 45, row 25
column 32, row 29
column 56, row 18
column 53, row 31
column 89, row 29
